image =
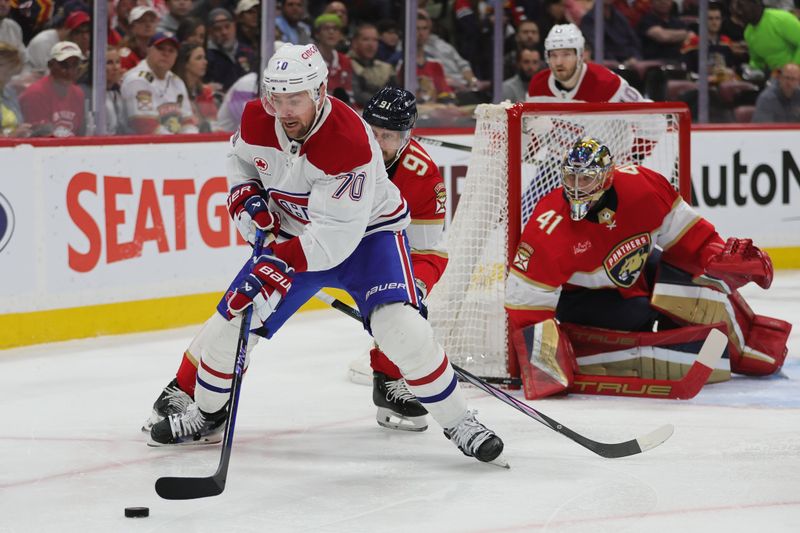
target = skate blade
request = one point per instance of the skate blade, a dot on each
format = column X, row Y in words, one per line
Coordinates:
column 391, row 420
column 500, row 462
column 215, row 438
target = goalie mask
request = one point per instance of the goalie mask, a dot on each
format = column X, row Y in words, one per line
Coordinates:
column 392, row 113
column 587, row 173
column 293, row 72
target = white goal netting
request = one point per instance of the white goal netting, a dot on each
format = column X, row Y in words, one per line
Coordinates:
column 498, row 196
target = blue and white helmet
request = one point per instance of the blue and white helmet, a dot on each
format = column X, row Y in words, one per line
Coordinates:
column 294, row 68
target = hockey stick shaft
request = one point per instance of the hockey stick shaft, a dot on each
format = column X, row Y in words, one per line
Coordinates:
column 608, row 450
column 444, row 144
column 189, row 488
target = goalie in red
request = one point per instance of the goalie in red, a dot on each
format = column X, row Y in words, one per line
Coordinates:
column 615, row 275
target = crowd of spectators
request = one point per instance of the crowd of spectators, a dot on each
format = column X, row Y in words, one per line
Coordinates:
column 182, row 66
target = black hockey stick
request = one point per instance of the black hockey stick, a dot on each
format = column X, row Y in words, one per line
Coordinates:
column 444, row 144
column 190, row 488
column 609, row 450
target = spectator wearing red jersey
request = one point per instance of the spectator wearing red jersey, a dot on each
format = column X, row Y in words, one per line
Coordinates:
column 633, row 10
column 54, row 104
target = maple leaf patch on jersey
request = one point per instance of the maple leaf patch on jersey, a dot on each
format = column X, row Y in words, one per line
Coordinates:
column 523, row 256
column 626, row 260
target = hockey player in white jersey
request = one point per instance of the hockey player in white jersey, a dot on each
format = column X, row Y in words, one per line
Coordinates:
column 305, row 167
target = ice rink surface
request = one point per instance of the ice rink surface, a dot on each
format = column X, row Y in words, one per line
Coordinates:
column 308, row 455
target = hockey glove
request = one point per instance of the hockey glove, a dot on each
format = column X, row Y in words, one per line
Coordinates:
column 740, row 262
column 248, row 208
column 264, row 287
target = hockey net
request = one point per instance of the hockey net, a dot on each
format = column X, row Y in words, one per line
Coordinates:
column 516, row 159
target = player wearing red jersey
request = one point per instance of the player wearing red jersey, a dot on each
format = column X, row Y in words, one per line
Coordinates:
column 392, row 113
column 571, row 78
column 588, row 256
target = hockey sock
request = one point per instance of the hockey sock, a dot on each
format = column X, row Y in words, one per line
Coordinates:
column 380, row 363
column 187, row 373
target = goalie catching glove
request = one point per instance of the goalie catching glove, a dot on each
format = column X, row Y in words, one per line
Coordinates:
column 248, row 208
column 264, row 287
column 739, row 262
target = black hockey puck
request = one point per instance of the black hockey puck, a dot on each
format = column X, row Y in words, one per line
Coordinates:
column 137, row 512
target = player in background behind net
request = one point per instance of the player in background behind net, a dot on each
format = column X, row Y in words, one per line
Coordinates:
column 571, row 78
column 618, row 248
column 392, row 113
column 304, row 167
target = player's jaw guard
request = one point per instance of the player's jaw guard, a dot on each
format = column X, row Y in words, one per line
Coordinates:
column 587, row 173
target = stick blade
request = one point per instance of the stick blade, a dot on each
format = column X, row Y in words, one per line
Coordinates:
column 712, row 349
column 189, row 488
column 655, row 437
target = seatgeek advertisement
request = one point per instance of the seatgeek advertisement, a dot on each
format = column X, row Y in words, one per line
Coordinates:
column 94, row 224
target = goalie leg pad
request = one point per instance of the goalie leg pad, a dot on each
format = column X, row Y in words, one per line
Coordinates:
column 215, row 346
column 757, row 344
column 764, row 349
column 663, row 355
column 545, row 358
column 407, row 340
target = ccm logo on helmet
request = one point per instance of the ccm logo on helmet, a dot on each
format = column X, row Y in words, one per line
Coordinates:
column 310, row 51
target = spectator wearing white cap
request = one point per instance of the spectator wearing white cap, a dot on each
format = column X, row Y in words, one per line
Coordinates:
column 41, row 44
column 177, row 10
column 53, row 105
column 248, row 30
column 154, row 98
column 142, row 21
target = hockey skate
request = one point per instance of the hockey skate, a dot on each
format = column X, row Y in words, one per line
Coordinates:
column 172, row 400
column 190, row 427
column 476, row 440
column 397, row 407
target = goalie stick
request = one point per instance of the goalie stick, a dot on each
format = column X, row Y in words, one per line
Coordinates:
column 712, row 349
column 190, row 488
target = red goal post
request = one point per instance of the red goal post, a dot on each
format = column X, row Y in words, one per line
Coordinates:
column 516, row 158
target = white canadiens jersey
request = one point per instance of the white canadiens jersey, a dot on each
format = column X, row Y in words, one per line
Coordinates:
column 330, row 190
column 153, row 105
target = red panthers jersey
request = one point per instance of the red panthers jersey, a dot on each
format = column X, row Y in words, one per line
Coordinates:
column 607, row 249
column 421, row 184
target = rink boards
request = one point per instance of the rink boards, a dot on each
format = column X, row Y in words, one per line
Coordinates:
column 99, row 238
